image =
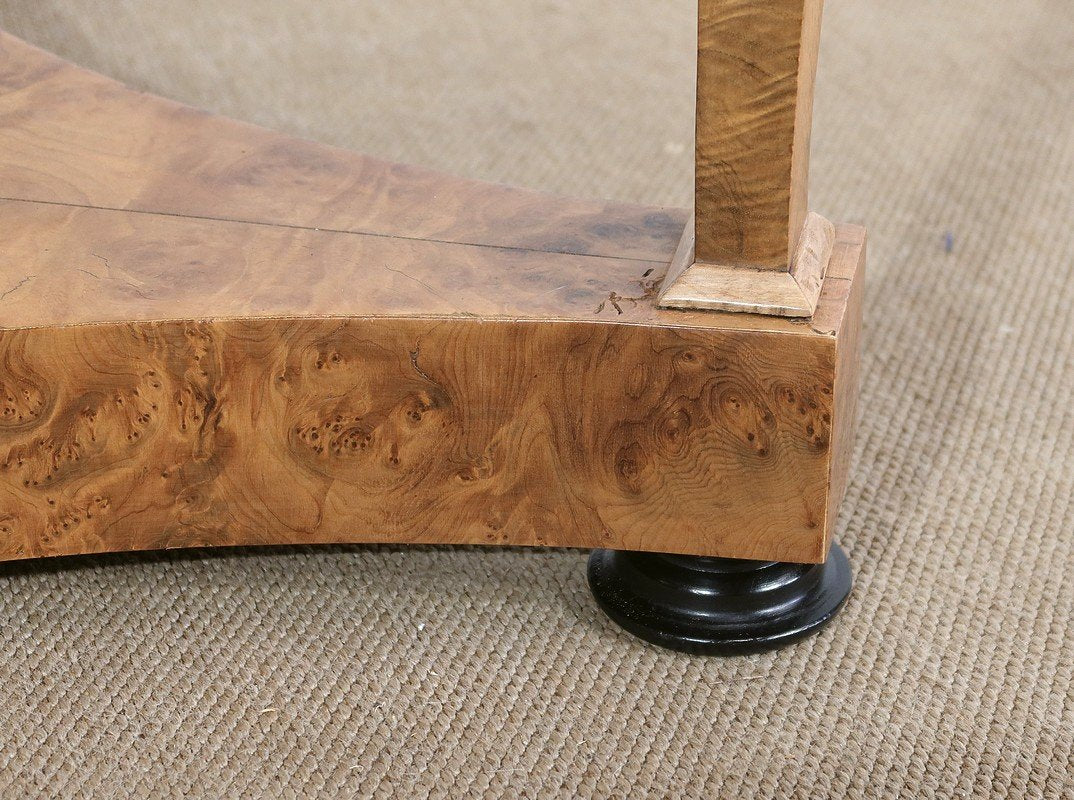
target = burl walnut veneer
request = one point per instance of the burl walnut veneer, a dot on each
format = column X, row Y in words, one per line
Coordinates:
column 212, row 334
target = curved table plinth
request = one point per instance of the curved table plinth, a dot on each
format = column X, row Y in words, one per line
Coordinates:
column 718, row 606
column 151, row 435
column 212, row 334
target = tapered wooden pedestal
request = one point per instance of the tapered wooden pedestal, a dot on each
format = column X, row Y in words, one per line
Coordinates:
column 211, row 334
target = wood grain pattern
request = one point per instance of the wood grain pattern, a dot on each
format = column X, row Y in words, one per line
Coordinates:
column 846, row 279
column 72, row 265
column 215, row 335
column 71, row 136
column 690, row 284
column 155, row 435
column 756, row 69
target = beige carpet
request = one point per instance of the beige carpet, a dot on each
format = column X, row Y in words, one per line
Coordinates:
column 365, row 672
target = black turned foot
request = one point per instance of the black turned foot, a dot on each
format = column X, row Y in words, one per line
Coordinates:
column 718, row 606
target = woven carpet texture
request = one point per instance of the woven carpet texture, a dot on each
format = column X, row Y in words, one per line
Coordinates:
column 436, row 672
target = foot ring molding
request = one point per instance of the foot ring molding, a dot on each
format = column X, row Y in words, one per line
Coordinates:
column 718, row 606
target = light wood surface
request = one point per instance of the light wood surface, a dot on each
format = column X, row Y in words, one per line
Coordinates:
column 752, row 245
column 847, row 281
column 212, row 334
column 719, row 287
column 71, row 136
column 756, row 69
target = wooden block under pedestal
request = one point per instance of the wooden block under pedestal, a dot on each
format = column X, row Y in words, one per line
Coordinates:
column 697, row 433
column 211, row 334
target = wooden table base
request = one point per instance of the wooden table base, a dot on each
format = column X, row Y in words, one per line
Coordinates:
column 212, row 334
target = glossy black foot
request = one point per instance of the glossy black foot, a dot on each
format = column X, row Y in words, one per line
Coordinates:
column 718, row 606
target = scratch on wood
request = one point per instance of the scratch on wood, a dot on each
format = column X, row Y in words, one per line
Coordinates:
column 417, row 280
column 414, row 361
column 17, row 286
column 649, row 290
column 550, row 291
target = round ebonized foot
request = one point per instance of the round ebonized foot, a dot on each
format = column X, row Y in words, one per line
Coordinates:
column 718, row 606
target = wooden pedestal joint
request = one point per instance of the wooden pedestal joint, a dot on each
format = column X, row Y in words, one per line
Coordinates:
column 793, row 292
column 751, row 246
